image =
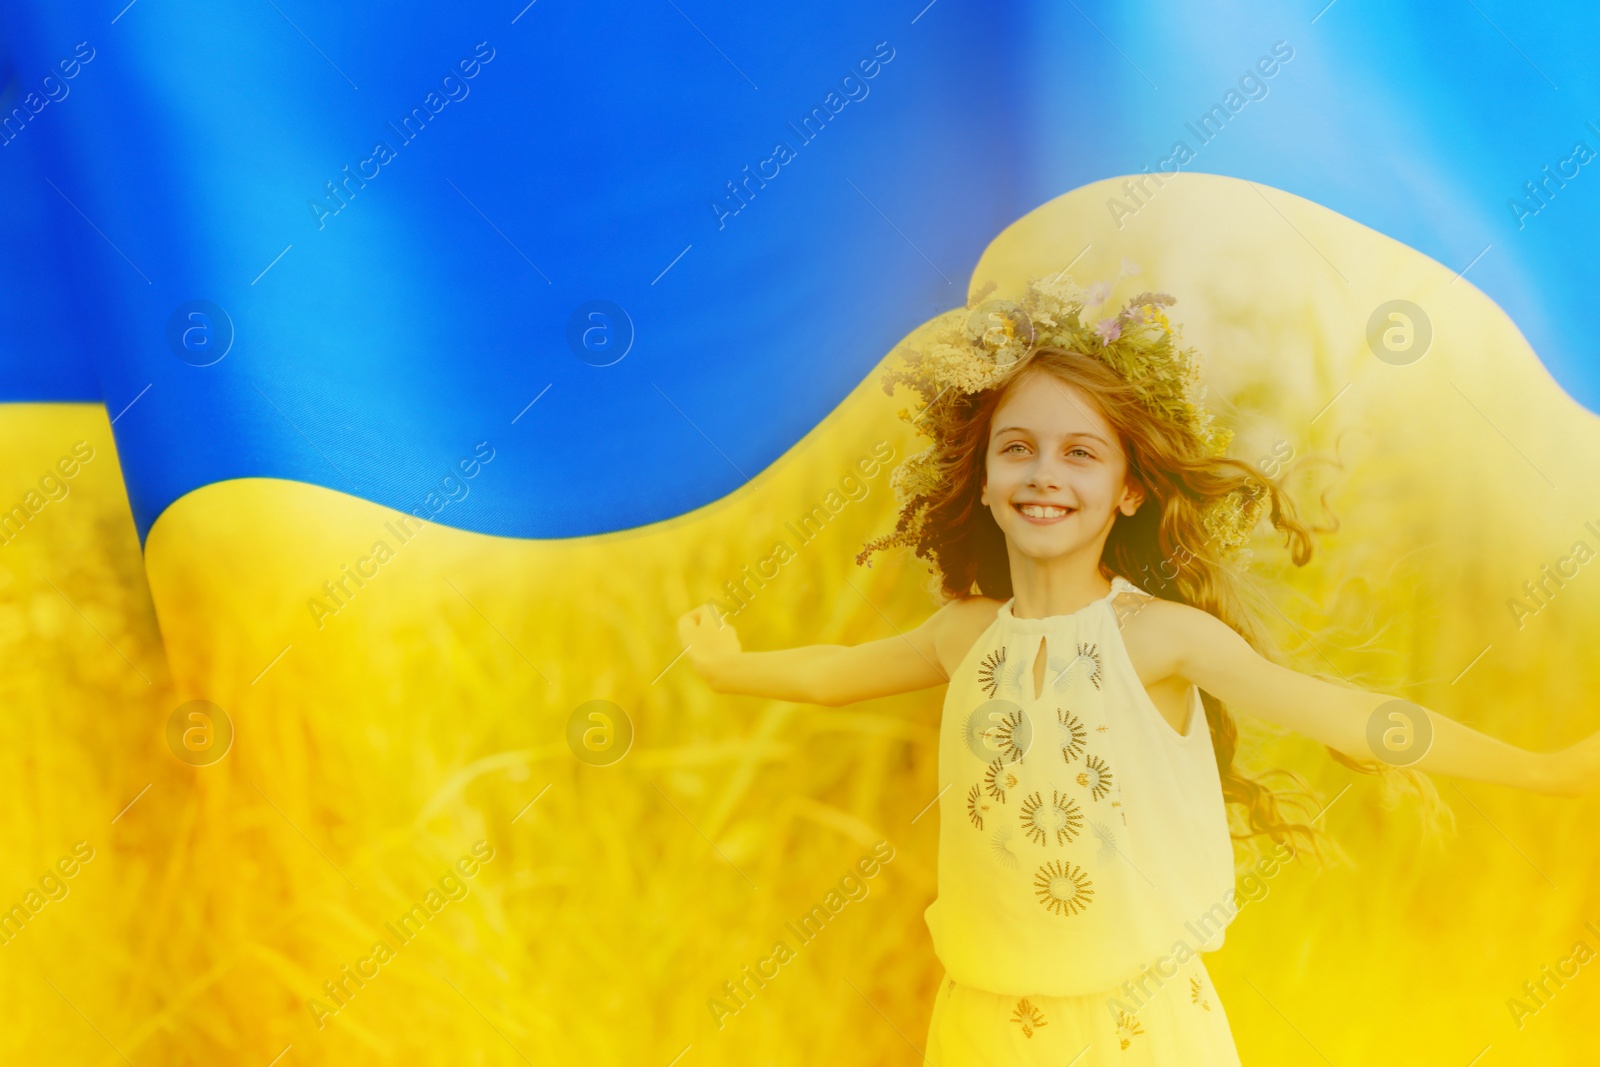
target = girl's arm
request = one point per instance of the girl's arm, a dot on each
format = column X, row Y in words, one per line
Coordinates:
column 814, row 674
column 1210, row 654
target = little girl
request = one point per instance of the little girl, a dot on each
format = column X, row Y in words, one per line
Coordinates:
column 1086, row 747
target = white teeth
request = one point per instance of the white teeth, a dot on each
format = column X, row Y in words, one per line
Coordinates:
column 1042, row 511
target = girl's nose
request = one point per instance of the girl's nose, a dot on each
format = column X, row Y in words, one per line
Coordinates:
column 1044, row 475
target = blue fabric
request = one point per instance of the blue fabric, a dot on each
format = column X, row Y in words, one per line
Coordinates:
column 380, row 333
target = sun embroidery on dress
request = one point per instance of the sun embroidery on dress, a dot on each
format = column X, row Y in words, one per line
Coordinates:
column 997, row 779
column 1096, row 777
column 1063, row 887
column 1013, row 676
column 988, row 671
column 1061, row 668
column 975, row 731
column 1060, row 817
column 1060, row 671
column 1001, row 844
column 1092, row 654
column 1029, row 1016
column 1011, row 735
column 1195, row 994
column 1127, row 1028
column 1108, row 841
column 1073, row 735
column 976, row 805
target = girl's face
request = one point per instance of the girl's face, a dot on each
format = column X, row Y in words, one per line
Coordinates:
column 1055, row 474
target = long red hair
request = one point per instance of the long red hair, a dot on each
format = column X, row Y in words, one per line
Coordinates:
column 1165, row 547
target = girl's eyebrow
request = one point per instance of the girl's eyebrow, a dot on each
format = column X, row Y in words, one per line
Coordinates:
column 1078, row 433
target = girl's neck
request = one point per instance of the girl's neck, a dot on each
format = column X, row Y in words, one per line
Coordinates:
column 1058, row 587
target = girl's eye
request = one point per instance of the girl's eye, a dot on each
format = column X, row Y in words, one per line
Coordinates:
column 1013, row 444
column 1080, row 451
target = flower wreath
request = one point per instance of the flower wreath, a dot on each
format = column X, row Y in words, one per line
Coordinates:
column 971, row 349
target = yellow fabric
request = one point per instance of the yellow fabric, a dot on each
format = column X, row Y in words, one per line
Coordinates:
column 423, row 717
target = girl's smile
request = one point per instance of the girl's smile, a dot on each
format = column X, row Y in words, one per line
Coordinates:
column 1055, row 480
column 1044, row 514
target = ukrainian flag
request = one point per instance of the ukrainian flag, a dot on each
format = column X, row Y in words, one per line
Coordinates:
column 380, row 384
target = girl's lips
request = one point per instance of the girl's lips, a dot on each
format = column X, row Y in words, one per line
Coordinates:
column 1063, row 513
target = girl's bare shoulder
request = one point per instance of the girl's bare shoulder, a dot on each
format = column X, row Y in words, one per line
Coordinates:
column 1158, row 633
column 958, row 624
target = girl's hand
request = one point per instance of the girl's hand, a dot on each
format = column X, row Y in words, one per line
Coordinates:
column 710, row 640
column 829, row 675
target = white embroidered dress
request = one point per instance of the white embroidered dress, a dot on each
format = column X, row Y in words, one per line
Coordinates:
column 1081, row 837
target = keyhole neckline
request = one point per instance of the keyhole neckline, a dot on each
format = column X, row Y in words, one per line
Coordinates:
column 1051, row 623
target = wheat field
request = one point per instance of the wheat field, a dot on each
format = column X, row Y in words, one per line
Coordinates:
column 372, row 753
